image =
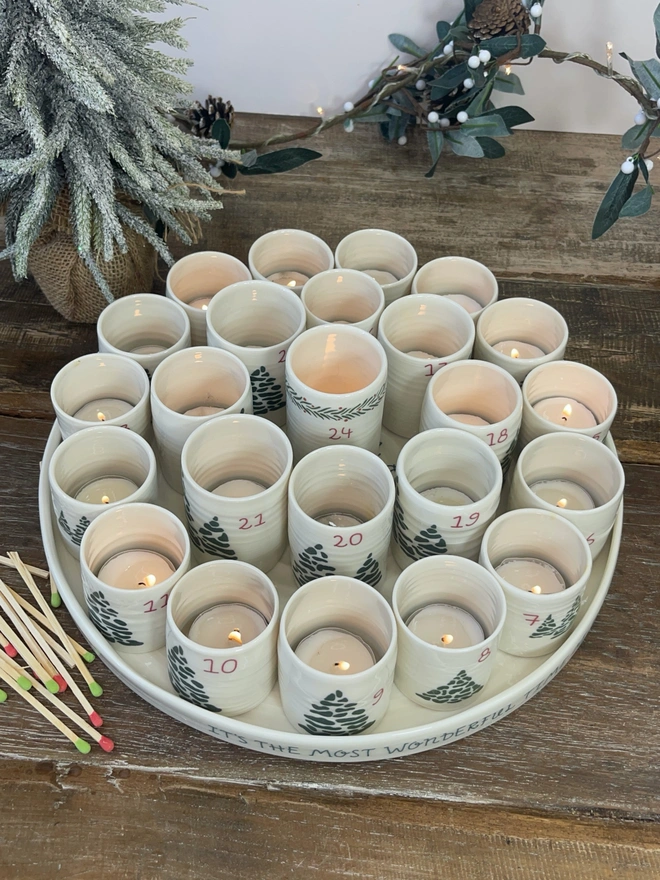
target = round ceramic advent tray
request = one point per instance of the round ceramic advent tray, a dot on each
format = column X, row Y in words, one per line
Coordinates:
column 406, row 728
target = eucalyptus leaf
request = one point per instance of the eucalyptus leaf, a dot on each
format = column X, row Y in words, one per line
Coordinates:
column 451, row 78
column 230, row 170
column 656, row 21
column 634, row 136
column 431, row 170
column 281, row 160
column 442, row 29
column 406, row 45
column 647, row 73
column 492, row 149
column 435, row 140
column 372, row 117
column 478, row 104
column 509, row 83
column 221, row 132
column 530, row 45
column 511, row 115
column 249, row 158
column 465, row 145
column 638, row 204
column 615, row 198
column 645, row 171
column 491, row 125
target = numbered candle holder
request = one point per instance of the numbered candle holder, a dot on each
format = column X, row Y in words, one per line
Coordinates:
column 235, row 474
column 190, row 388
column 566, row 396
column 519, row 334
column 449, row 613
column 550, row 561
column 352, row 628
column 228, row 665
column 96, row 469
column 101, row 389
column 384, row 255
column 340, row 515
column 574, row 476
column 257, row 321
column 449, row 486
column 194, row 280
column 146, row 328
column 335, row 389
column 289, row 257
column 468, row 283
column 479, row 398
column 130, row 558
column 343, row 296
column 420, row 335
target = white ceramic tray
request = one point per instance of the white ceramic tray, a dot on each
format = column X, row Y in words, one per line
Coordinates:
column 406, row 728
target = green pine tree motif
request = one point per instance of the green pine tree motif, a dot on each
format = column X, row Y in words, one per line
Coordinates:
column 267, row 393
column 506, row 461
column 547, row 628
column 551, row 628
column 209, row 538
column 312, row 563
column 105, row 619
column 429, row 542
column 76, row 534
column 184, row 681
column 460, row 688
column 370, row 571
column 336, row 715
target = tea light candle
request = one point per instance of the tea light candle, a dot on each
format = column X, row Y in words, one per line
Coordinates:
column 136, row 570
column 422, row 355
column 565, row 411
column 446, row 495
column 228, row 625
column 522, row 350
column 103, row 409
column 381, row 276
column 446, row 626
column 563, row 493
column 106, row 490
column 532, row 575
column 469, row 303
column 468, row 419
column 339, row 520
column 203, row 410
column 335, row 651
column 148, row 349
column 289, row 279
column 239, row 488
column 200, row 302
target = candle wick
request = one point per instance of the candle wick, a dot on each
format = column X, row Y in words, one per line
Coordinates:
column 447, row 639
column 535, row 589
column 235, row 636
column 105, row 500
column 344, row 665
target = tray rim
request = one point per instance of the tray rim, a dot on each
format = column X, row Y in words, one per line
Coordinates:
column 287, row 743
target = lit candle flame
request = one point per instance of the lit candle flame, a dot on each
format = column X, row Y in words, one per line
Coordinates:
column 235, row 636
column 515, row 353
column 204, row 308
column 507, row 70
column 566, row 412
column 344, row 665
column 447, row 639
column 105, row 500
column 100, row 417
column 562, row 502
column 291, row 283
column 536, row 590
column 149, row 581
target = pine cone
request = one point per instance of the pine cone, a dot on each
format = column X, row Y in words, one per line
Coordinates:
column 203, row 116
column 495, row 18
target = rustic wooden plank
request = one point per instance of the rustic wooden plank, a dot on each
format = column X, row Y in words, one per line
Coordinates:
column 189, row 830
column 587, row 745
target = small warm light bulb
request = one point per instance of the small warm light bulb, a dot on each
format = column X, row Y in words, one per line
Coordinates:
column 291, row 284
column 319, row 110
column 507, row 70
column 562, row 502
column 235, row 636
column 515, row 353
column 566, row 412
column 609, row 48
column 344, row 665
column 100, row 417
column 447, row 639
column 105, row 500
column 536, row 590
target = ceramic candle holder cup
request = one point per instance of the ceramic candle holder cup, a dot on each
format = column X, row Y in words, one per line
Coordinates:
column 101, row 377
column 248, row 520
column 343, row 296
column 420, row 335
column 529, row 321
column 133, row 620
column 257, row 321
column 580, row 460
column 335, row 389
column 480, row 389
column 465, row 477
column 352, row 491
column 472, row 283
column 228, row 680
column 202, row 275
column 577, row 382
column 319, row 702
column 536, row 624
column 389, row 256
column 434, row 676
column 289, row 251
column 146, row 328
column 91, row 455
column 204, row 380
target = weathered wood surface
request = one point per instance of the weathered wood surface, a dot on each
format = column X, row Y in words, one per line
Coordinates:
column 568, row 786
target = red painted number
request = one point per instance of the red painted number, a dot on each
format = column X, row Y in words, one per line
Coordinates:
column 503, row 435
column 472, row 519
column 256, row 521
column 282, row 356
column 532, row 619
column 596, row 436
column 151, row 605
column 338, row 433
column 484, row 655
column 228, row 666
column 352, row 541
column 590, row 539
column 377, row 696
column 432, row 369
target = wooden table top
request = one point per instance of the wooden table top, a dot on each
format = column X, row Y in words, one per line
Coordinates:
column 566, row 787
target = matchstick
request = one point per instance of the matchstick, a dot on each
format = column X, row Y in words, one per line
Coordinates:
column 7, row 647
column 27, row 655
column 45, row 624
column 40, row 572
column 21, row 622
column 22, row 676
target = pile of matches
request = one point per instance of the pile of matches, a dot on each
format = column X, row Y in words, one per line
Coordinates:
column 34, row 635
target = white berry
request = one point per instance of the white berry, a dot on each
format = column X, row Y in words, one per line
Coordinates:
column 433, row 117
column 628, row 166
column 640, row 118
column 462, row 116
column 403, row 140
column 348, row 106
column 474, row 62
column 536, row 11
column 484, row 56
column 214, row 171
column 444, row 122
column 420, row 85
column 657, row 103
column 449, row 48
column 468, row 83
column 649, row 164
column 372, row 83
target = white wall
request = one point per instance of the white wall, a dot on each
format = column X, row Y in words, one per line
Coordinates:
column 289, row 56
